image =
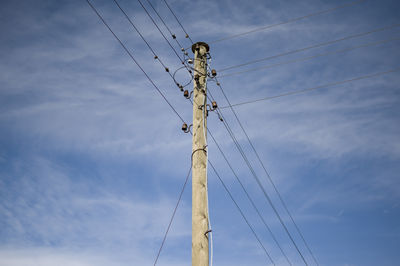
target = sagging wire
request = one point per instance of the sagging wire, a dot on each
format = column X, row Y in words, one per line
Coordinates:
column 173, row 215
column 212, row 74
column 173, row 13
column 180, row 86
column 255, row 176
column 162, row 20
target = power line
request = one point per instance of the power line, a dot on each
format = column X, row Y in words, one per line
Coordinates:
column 311, row 57
column 310, row 47
column 287, row 21
column 151, row 81
column 141, row 35
column 250, row 199
column 131, row 56
column 238, row 146
column 241, row 212
column 162, row 20
column 149, row 46
column 134, row 60
column 267, row 173
column 152, row 50
column 313, row 88
column 173, row 214
column 155, row 24
column 186, row 34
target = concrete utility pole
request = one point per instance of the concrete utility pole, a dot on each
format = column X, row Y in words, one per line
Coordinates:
column 200, row 226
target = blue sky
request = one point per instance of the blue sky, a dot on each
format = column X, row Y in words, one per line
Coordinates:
column 92, row 159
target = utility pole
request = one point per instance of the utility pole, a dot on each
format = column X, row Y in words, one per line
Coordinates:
column 200, row 224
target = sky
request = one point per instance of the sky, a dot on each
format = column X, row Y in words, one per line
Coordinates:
column 92, row 159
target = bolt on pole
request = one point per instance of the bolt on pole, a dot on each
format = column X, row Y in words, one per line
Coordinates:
column 200, row 224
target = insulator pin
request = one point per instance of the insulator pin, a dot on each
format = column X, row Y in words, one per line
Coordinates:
column 184, row 127
column 213, row 72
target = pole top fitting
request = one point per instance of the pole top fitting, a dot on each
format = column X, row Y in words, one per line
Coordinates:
column 197, row 45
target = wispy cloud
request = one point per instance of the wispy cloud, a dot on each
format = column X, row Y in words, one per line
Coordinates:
column 49, row 208
column 91, row 157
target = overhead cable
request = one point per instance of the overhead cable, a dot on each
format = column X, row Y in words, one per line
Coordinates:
column 155, row 24
column 170, row 9
column 250, row 199
column 163, row 22
column 151, row 49
column 287, row 21
column 267, row 174
column 240, row 149
column 134, row 60
column 310, row 47
column 313, row 88
column 173, row 214
column 311, row 57
column 141, row 35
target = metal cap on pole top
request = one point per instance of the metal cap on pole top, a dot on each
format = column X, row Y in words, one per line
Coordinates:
column 197, row 45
